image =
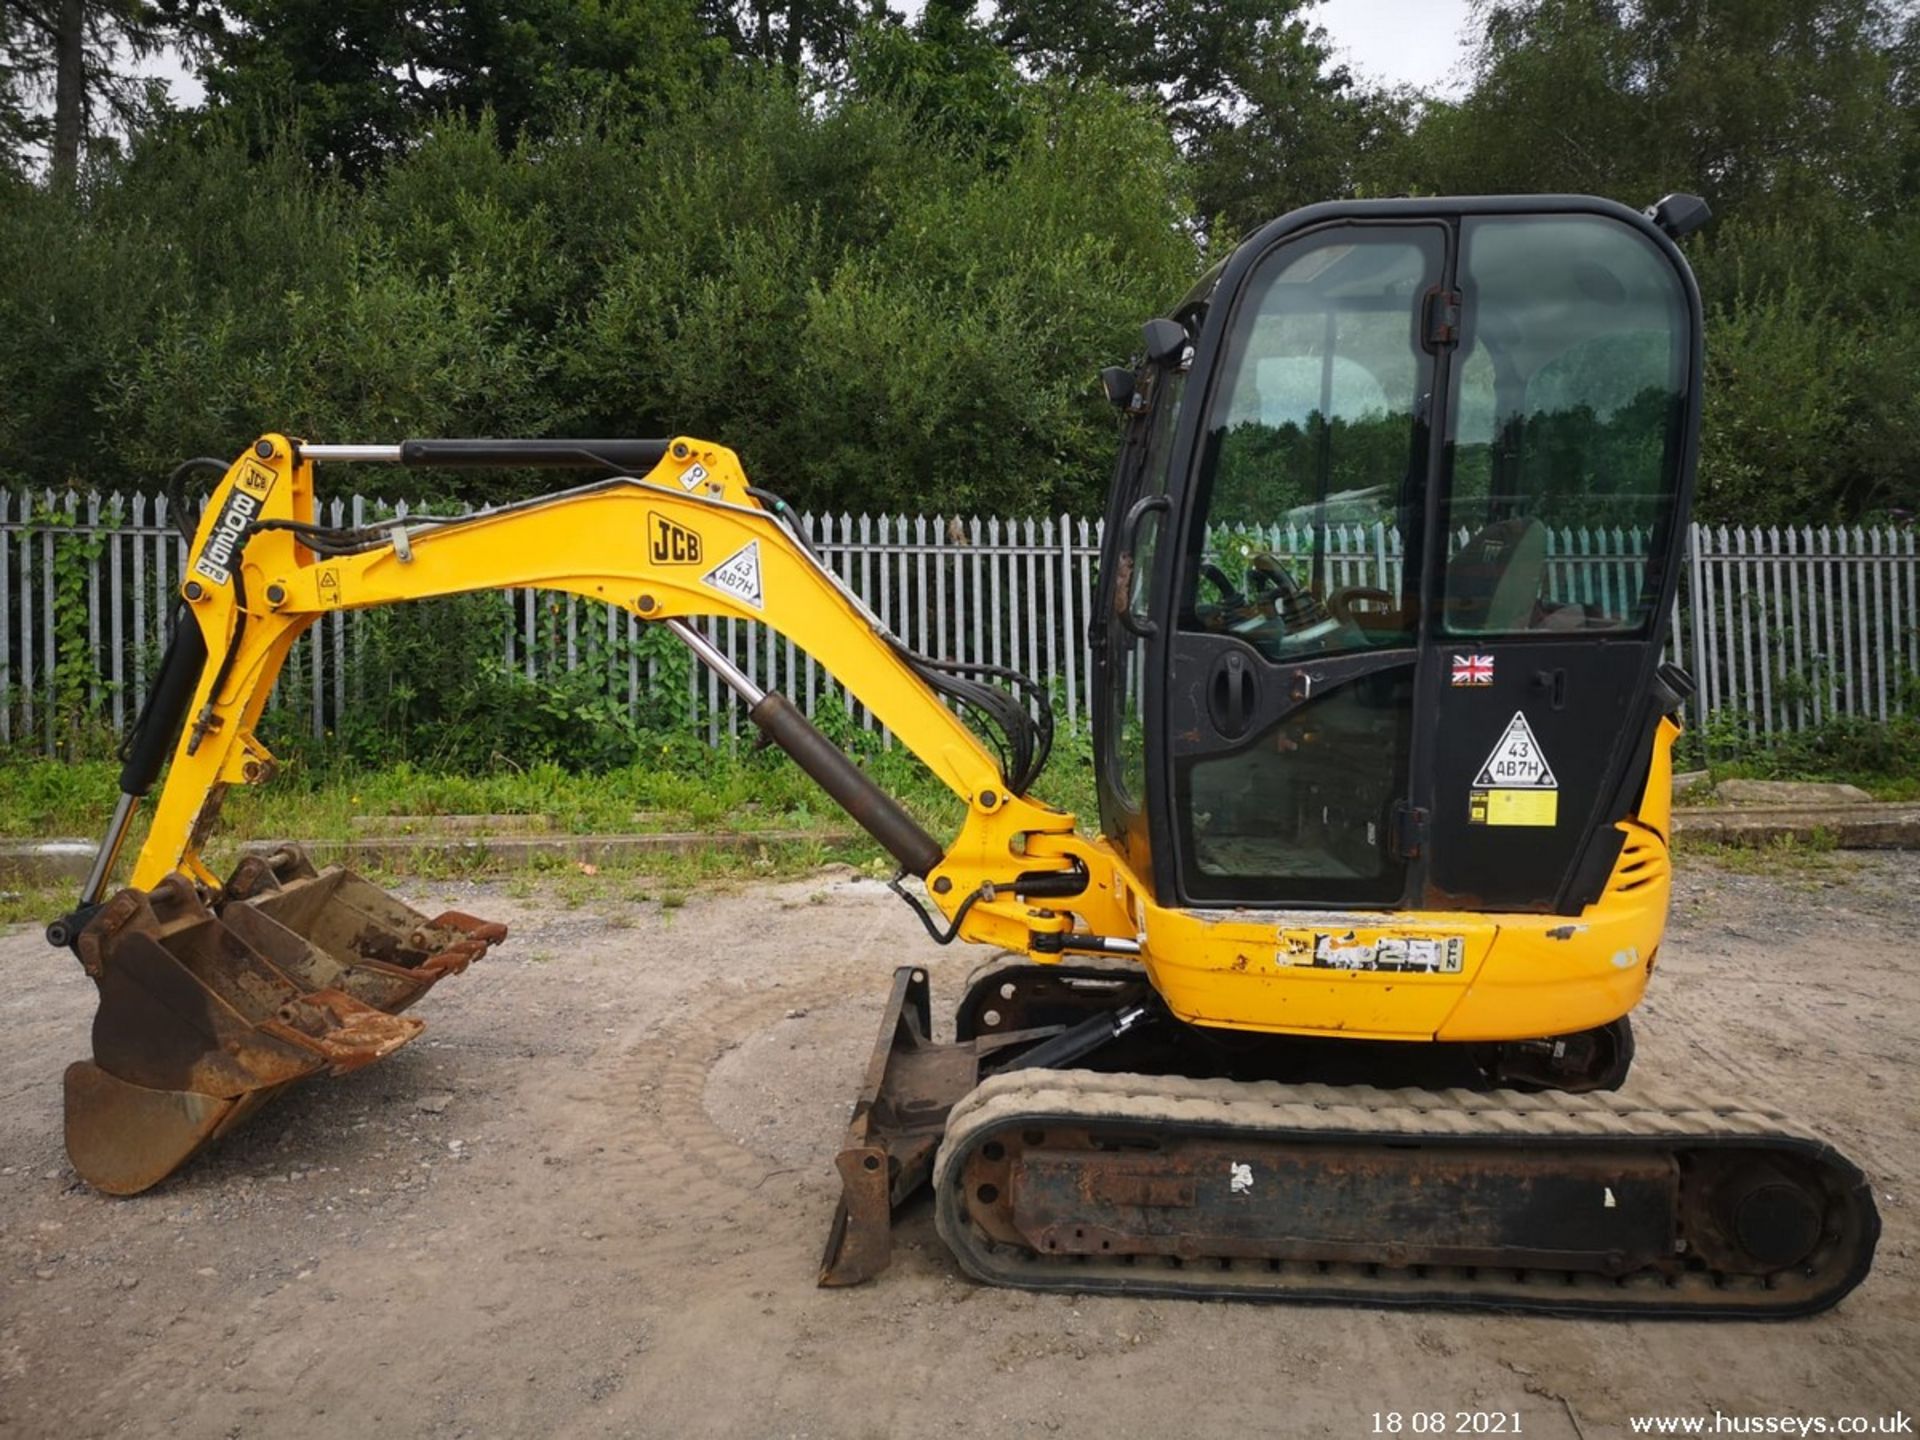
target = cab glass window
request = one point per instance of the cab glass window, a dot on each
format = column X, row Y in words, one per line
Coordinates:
column 1315, row 448
column 1126, row 692
column 1567, row 406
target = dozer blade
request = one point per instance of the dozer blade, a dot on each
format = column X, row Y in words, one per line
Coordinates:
column 898, row 1119
column 206, row 1015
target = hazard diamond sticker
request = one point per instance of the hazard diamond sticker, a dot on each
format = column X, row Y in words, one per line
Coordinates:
column 739, row 576
column 1516, row 762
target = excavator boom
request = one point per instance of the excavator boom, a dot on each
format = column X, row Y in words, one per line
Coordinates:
column 214, row 996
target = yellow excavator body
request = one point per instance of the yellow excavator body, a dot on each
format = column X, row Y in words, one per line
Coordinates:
column 1117, row 1109
column 1515, row 978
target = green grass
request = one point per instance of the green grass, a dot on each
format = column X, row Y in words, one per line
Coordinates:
column 33, row 904
column 1879, row 785
column 1882, row 759
column 611, row 889
column 43, row 798
column 1814, row 857
column 673, row 784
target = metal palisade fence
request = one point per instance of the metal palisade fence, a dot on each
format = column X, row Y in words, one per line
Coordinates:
column 1783, row 629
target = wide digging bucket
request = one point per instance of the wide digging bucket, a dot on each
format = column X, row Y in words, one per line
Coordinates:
column 204, row 1016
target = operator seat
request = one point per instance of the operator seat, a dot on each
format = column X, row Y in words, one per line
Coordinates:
column 1494, row 581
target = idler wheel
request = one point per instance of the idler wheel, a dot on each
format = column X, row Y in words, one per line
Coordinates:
column 1772, row 1218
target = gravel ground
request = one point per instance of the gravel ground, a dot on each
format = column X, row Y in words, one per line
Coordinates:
column 590, row 1201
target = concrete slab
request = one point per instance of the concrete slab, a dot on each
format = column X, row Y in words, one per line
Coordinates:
column 45, row 862
column 1686, row 782
column 1788, row 793
column 1872, row 826
column 52, row 862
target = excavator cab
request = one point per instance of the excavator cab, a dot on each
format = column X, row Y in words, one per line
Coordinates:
column 1389, row 557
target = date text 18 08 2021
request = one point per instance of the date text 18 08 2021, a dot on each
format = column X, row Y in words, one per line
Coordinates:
column 1446, row 1422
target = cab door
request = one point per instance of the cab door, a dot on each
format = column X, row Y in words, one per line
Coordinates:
column 1293, row 757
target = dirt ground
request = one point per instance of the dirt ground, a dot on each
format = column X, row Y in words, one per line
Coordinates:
column 590, row 1201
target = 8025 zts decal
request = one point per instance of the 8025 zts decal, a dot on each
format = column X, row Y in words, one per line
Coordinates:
column 242, row 507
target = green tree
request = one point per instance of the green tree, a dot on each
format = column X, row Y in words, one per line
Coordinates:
column 1247, row 87
column 799, row 36
column 877, row 311
column 947, row 70
column 360, row 81
column 1797, row 119
column 1769, row 105
column 61, row 84
column 882, row 316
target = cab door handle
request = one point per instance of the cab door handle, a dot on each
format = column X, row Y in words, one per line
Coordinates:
column 1554, row 682
column 1143, row 626
column 1233, row 696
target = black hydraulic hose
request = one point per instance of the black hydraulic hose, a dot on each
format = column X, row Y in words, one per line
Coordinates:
column 952, row 932
column 1029, row 741
column 785, row 513
column 176, row 489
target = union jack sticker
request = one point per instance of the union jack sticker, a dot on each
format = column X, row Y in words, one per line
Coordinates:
column 1473, row 670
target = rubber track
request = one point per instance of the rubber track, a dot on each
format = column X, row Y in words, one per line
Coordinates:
column 1181, row 1106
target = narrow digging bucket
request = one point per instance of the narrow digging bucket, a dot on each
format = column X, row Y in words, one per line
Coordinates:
column 359, row 937
column 204, row 1016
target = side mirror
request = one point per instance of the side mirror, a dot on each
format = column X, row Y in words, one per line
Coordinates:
column 1166, row 339
column 1679, row 215
column 1117, row 381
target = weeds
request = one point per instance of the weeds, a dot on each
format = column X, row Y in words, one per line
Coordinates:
column 34, row 904
column 672, row 782
column 1881, row 758
column 1814, row 856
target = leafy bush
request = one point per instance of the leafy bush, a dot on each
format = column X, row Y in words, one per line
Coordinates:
column 871, row 307
column 1881, row 757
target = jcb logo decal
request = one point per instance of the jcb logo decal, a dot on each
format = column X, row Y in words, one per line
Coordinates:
column 257, row 478
column 671, row 544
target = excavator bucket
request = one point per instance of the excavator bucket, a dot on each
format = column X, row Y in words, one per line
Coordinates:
column 208, row 1011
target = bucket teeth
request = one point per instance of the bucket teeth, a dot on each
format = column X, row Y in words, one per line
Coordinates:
column 207, row 1011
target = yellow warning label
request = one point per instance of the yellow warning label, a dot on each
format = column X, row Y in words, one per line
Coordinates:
column 1513, row 807
column 329, row 586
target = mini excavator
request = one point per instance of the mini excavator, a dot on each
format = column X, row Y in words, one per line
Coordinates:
column 1335, row 1006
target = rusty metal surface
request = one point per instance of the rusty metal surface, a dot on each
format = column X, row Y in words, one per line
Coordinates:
column 1595, row 1204
column 898, row 1120
column 206, row 1011
column 127, row 1138
column 898, row 1117
column 1358, row 1204
column 359, row 926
